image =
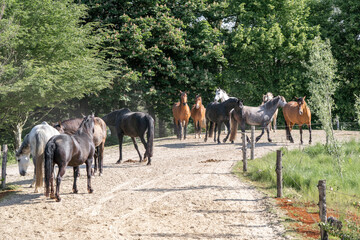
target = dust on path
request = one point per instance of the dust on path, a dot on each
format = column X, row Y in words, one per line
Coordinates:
column 187, row 193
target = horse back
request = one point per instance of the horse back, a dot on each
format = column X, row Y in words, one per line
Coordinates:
column 99, row 131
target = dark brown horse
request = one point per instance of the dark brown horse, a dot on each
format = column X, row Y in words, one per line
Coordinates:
column 198, row 115
column 133, row 124
column 70, row 126
column 297, row 112
column 181, row 113
column 69, row 150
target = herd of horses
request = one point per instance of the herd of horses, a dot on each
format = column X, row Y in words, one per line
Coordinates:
column 77, row 141
column 74, row 142
column 232, row 112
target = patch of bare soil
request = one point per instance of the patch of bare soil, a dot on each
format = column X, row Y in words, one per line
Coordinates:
column 187, row 193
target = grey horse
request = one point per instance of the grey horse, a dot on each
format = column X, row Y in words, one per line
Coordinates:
column 254, row 116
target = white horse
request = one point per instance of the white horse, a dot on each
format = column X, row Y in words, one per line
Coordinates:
column 267, row 97
column 34, row 144
column 220, row 95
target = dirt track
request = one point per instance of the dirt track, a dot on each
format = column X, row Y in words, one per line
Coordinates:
column 187, row 193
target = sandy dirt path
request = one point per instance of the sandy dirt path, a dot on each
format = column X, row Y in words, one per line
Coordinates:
column 187, row 193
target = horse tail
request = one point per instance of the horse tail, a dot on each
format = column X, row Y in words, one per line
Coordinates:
column 49, row 155
column 39, row 160
column 150, row 136
column 233, row 126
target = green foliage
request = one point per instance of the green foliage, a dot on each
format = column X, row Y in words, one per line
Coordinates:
column 158, row 48
column 267, row 45
column 321, row 69
column 357, row 108
column 48, row 56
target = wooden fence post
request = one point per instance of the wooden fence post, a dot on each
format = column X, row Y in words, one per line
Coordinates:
column 278, row 170
column 244, row 151
column 252, row 155
column 3, row 166
column 322, row 207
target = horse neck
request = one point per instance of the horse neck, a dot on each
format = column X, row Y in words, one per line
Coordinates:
column 25, row 146
column 230, row 104
column 224, row 97
column 272, row 105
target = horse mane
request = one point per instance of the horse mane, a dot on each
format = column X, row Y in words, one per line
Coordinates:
column 24, row 145
column 271, row 102
column 83, row 125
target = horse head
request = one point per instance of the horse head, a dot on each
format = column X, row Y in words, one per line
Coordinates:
column 302, row 104
column 183, row 98
column 87, row 125
column 218, row 94
column 282, row 101
column 198, row 101
column 59, row 127
column 22, row 156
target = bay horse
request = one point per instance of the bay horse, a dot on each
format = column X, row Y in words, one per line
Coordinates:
column 133, row 124
column 34, row 144
column 198, row 115
column 218, row 113
column 70, row 126
column 254, row 116
column 267, row 97
column 69, row 150
column 297, row 112
column 181, row 114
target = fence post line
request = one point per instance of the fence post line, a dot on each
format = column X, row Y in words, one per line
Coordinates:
column 278, row 170
column 243, row 135
column 322, row 207
column 252, row 153
column 3, row 166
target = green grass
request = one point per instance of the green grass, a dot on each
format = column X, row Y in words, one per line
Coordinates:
column 302, row 169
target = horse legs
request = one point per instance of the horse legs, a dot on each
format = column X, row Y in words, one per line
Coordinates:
column 262, row 133
column 136, row 147
column 268, row 132
column 227, row 124
column 215, row 128
column 195, row 128
column 146, row 155
column 180, row 129
column 88, row 171
column 310, row 140
column 206, row 129
column 58, row 181
column 100, row 150
column 96, row 158
column 290, row 128
column 219, row 131
column 120, row 137
column 76, row 172
column 185, row 128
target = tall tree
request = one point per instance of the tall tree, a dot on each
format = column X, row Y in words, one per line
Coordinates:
column 161, row 47
column 47, row 56
column 269, row 41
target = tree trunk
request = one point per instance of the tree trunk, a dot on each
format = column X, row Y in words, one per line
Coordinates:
column 162, row 128
column 17, row 131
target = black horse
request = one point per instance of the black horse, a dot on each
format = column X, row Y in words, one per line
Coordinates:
column 133, row 124
column 70, row 150
column 218, row 113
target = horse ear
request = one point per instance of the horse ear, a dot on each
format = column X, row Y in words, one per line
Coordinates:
column 304, row 97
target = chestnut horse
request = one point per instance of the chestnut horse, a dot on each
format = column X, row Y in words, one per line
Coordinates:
column 70, row 126
column 181, row 113
column 198, row 115
column 69, row 150
column 297, row 112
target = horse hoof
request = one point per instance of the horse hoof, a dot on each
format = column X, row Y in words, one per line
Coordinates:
column 118, row 162
column 232, row 142
column 58, row 199
column 269, row 140
column 100, row 174
column 90, row 190
column 75, row 191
